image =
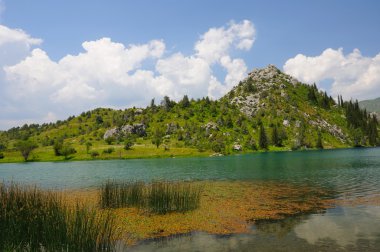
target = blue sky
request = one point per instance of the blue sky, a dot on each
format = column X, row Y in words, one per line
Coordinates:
column 333, row 43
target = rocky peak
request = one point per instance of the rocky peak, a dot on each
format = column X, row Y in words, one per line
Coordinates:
column 269, row 72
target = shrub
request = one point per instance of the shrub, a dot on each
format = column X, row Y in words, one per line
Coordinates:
column 1, row 155
column 109, row 150
column 94, row 154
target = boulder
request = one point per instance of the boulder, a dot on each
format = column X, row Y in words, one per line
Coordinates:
column 237, row 147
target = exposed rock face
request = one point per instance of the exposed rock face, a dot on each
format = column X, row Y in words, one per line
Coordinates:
column 332, row 129
column 138, row 129
column 111, row 133
column 264, row 80
column 171, row 128
column 210, row 126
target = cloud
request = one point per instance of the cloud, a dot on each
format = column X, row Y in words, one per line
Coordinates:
column 216, row 42
column 353, row 75
column 111, row 74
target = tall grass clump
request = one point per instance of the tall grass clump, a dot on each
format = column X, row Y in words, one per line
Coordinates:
column 36, row 220
column 115, row 194
column 159, row 196
column 164, row 197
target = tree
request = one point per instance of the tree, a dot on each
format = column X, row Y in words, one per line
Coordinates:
column 250, row 143
column 26, row 147
column 88, row 147
column 57, row 147
column 157, row 137
column 319, row 143
column 185, row 102
column 372, row 131
column 263, row 139
column 128, row 143
column 276, row 138
column 67, row 150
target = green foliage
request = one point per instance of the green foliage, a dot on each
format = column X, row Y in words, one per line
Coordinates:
column 128, row 143
column 35, row 220
column 277, row 100
column 1, row 155
column 109, row 150
column 94, row 154
column 157, row 137
column 159, row 197
column 276, row 137
column 88, row 147
column 67, row 150
column 263, row 139
column 319, row 144
column 26, row 147
column 185, row 103
column 250, row 144
column 110, row 140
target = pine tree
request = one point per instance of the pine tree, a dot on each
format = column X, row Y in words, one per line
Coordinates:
column 372, row 131
column 263, row 139
column 319, row 143
column 276, row 139
column 185, row 102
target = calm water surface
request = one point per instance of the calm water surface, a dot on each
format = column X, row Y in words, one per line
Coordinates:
column 350, row 173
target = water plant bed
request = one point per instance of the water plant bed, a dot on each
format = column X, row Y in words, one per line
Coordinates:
column 225, row 207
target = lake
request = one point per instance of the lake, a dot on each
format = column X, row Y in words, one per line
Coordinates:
column 351, row 173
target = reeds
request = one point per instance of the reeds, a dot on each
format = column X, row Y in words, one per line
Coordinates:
column 159, row 197
column 35, row 220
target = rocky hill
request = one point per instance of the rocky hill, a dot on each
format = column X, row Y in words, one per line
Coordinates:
column 268, row 110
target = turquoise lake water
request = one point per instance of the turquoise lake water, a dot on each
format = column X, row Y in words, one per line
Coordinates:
column 350, row 173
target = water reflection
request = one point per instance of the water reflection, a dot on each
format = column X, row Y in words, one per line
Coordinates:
column 345, row 226
column 340, row 229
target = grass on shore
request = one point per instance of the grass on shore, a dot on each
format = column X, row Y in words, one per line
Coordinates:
column 35, row 220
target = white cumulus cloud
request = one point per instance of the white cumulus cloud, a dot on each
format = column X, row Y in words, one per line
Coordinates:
column 353, row 75
column 110, row 74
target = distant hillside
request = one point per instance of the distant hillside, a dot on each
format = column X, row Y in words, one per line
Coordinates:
column 269, row 110
column 371, row 105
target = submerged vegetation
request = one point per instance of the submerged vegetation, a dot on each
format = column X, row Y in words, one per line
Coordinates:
column 34, row 220
column 158, row 197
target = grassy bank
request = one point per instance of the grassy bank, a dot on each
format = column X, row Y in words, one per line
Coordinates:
column 146, row 150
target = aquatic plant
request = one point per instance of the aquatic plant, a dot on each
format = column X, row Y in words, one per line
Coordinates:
column 115, row 194
column 166, row 197
column 35, row 220
column 158, row 197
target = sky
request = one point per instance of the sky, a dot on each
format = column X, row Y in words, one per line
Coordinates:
column 59, row 58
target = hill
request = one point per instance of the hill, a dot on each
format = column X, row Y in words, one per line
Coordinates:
column 371, row 105
column 269, row 110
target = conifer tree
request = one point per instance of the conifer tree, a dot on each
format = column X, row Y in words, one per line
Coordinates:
column 263, row 139
column 276, row 139
column 319, row 143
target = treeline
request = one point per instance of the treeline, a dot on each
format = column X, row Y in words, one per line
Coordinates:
column 363, row 124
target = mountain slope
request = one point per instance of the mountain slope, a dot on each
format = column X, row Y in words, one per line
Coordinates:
column 371, row 105
column 268, row 110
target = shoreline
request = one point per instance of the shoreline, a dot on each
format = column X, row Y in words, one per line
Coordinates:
column 170, row 155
